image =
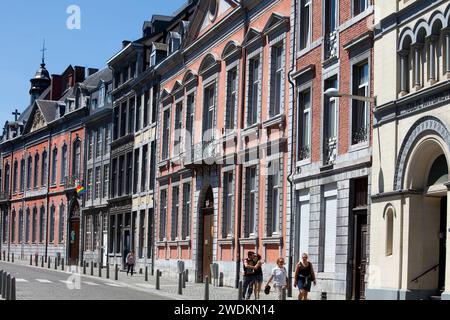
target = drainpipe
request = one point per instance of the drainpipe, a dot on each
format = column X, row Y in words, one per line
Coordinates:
column 293, row 167
column 49, row 160
column 240, row 166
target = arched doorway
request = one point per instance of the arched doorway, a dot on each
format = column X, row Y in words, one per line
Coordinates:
column 74, row 234
column 206, row 234
column 427, row 178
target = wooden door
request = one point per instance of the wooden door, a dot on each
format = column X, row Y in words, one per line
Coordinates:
column 360, row 261
column 208, row 232
column 442, row 244
column 74, row 241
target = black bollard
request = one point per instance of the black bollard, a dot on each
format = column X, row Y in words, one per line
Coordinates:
column 8, row 257
column 116, row 276
column 107, row 271
column 8, row 286
column 1, row 282
column 206, row 288
column 158, row 280
column 56, row 263
column 48, row 262
column 84, row 267
column 42, row 261
column 187, row 275
column 180, row 283
column 184, row 280
column 240, row 291
column 146, row 274
column 283, row 294
column 92, row 268
column 36, row 260
column 3, row 293
column 13, row 289
column 62, row 264
column 324, row 296
column 31, row 260
column 99, row 270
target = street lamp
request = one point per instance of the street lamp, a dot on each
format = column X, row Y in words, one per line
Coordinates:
column 334, row 93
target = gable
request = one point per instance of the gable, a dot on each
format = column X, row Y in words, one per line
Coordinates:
column 214, row 9
column 38, row 121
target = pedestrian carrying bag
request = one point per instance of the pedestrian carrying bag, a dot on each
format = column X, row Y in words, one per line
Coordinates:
column 267, row 289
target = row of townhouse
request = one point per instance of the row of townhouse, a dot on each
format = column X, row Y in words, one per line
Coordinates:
column 276, row 126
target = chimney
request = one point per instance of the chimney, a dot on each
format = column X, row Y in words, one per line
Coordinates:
column 91, row 71
column 57, row 87
column 80, row 73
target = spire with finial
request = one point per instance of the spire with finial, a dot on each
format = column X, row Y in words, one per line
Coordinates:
column 41, row 80
column 43, row 53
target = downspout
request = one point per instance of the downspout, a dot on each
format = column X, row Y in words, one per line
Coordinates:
column 240, row 166
column 49, row 160
column 291, row 174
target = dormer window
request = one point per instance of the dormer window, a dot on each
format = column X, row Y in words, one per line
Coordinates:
column 174, row 42
column 213, row 9
column 153, row 58
column 62, row 110
column 101, row 98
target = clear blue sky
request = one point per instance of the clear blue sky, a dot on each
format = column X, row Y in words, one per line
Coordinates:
column 24, row 24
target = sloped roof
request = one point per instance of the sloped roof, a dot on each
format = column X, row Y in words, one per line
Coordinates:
column 27, row 112
column 48, row 109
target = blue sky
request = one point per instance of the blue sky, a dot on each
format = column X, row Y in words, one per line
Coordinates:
column 24, row 24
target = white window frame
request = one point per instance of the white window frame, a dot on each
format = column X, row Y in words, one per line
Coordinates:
column 304, row 4
column 301, row 90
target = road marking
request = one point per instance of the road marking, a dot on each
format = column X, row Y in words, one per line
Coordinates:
column 43, row 281
column 90, row 283
column 21, row 280
column 114, row 285
column 66, row 282
column 148, row 286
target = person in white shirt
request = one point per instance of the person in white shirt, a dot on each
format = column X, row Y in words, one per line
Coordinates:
column 279, row 277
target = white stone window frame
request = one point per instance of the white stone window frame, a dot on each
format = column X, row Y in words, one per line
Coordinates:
column 212, row 80
column 273, row 44
column 257, row 53
column 236, row 64
column 166, row 105
column 277, row 230
column 247, row 166
column 179, row 207
column 368, row 5
column 366, row 56
column 161, row 232
column 309, row 44
column 183, row 183
column 190, row 90
column 326, row 76
column 180, row 98
column 230, row 235
column 305, row 87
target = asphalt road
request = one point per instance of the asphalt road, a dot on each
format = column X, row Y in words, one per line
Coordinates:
column 45, row 284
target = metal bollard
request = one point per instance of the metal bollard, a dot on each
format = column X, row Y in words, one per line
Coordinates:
column 240, row 291
column 62, row 264
column 99, row 270
column 158, row 280
column 8, row 286
column 187, row 275
column 56, row 263
column 48, row 262
column 12, row 256
column 107, row 271
column 4, row 285
column 324, row 296
column 13, row 289
column 42, row 261
column 84, row 267
column 116, row 276
column 180, row 283
column 92, row 268
column 36, row 260
column 8, row 257
column 31, row 260
column 206, row 288
column 1, row 282
column 146, row 273
column 184, row 279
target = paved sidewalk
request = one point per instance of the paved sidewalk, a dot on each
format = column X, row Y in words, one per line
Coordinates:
column 168, row 286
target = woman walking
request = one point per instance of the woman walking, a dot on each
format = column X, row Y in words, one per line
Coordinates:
column 258, row 276
column 279, row 276
column 304, row 276
column 131, row 260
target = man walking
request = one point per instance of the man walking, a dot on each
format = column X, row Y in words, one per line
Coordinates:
column 249, row 275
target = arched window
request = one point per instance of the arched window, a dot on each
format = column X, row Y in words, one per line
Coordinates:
column 6, row 188
column 61, row 223
column 76, row 161
column 34, row 227
column 54, row 165
column 13, row 226
column 27, row 226
column 15, row 174
column 44, row 169
column 20, row 225
column 52, row 224
column 36, row 170
column 63, row 163
column 41, row 224
column 29, row 172
column 389, row 218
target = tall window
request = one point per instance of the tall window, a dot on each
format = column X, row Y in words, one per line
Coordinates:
column 112, row 233
column 20, row 226
column 44, row 170
column 276, row 85
column 273, row 199
column 52, row 223
column 98, row 182
column 330, row 16
column 152, row 166
column 136, row 170
column 121, row 175
column 88, row 228
column 99, row 149
column 77, row 158
column 186, row 210
column 138, row 112
column 228, row 203
column 105, row 181
column 253, row 91
column 91, row 145
column 146, row 107
column 54, row 165
column 13, row 226
column 15, row 173
column 389, row 217
column 36, row 170
column 29, row 172
column 116, row 123
column 7, row 169
column 141, row 233
column 178, row 128
column 360, row 6
column 27, row 225
column 123, row 120
column 129, row 175
column 163, row 216
column 89, row 182
column 114, row 178
column 131, row 116
column 166, row 133
column 232, row 96
column 175, row 213
column 41, row 224
column 144, row 170
column 61, row 226
column 108, row 139
column 22, row 175
column 154, row 103
column 35, row 224
column 305, row 23
column 360, row 109
column 63, row 163
column 330, row 118
column 119, row 232
column 5, row 227
column 209, row 112
column 251, row 201
column 304, row 125
column 190, row 106
column 96, row 231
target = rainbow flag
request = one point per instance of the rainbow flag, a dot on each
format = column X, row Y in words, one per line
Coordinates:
column 81, row 190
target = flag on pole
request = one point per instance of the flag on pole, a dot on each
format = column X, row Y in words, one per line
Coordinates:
column 81, row 190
